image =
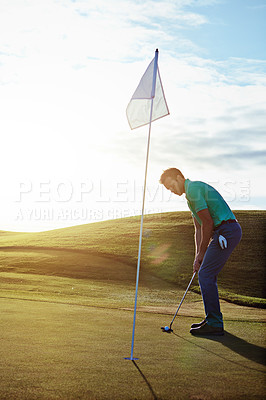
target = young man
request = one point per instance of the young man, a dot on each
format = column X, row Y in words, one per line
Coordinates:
column 217, row 233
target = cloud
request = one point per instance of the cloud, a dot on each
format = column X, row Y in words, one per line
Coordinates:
column 211, row 125
column 69, row 68
column 73, row 31
column 257, row 7
column 148, row 11
column 242, row 71
column 256, row 156
column 214, row 153
column 231, row 141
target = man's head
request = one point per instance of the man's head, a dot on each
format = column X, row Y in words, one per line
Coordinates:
column 173, row 180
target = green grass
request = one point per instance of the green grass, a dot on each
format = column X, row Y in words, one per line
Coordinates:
column 167, row 252
column 53, row 351
column 66, row 313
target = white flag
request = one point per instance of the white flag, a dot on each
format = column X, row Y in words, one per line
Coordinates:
column 139, row 108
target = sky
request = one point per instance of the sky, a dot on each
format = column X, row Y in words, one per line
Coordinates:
column 68, row 70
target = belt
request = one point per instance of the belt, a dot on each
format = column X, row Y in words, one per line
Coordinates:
column 229, row 221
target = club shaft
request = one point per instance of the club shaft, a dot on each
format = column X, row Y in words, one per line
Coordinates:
column 193, row 276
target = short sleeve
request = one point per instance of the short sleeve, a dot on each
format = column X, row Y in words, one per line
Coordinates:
column 197, row 198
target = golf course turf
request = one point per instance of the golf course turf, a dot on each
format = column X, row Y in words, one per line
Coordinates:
column 66, row 315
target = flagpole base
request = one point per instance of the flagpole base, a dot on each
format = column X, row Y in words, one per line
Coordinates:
column 130, row 358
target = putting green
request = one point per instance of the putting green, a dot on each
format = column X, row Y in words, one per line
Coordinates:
column 63, row 351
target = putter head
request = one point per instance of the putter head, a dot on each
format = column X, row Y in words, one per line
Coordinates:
column 166, row 329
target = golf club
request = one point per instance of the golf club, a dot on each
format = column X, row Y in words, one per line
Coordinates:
column 169, row 329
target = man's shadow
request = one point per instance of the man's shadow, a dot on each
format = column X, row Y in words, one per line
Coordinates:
column 240, row 346
column 245, row 349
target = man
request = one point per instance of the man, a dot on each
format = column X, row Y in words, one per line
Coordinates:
column 217, row 233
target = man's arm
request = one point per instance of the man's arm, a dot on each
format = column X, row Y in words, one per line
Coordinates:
column 197, row 235
column 206, row 233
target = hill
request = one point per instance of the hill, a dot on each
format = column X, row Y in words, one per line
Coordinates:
column 167, row 253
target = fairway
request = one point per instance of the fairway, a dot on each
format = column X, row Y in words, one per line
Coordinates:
column 62, row 351
column 66, row 314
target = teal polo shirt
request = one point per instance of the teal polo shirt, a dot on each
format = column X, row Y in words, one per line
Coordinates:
column 200, row 196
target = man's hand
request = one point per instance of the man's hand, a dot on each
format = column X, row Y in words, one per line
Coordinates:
column 197, row 262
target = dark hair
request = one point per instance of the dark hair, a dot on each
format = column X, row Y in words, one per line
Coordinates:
column 170, row 172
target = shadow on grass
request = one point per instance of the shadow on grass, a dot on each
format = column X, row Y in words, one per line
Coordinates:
column 240, row 346
column 245, row 349
column 146, row 381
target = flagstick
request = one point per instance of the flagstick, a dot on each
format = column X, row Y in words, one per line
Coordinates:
column 143, row 205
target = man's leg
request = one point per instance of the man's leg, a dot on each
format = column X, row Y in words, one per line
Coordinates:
column 214, row 260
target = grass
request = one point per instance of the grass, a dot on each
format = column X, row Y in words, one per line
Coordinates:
column 167, row 252
column 66, row 311
column 62, row 351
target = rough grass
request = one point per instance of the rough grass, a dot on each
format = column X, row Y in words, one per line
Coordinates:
column 167, row 252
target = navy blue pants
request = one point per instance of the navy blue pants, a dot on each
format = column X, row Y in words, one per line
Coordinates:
column 213, row 261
